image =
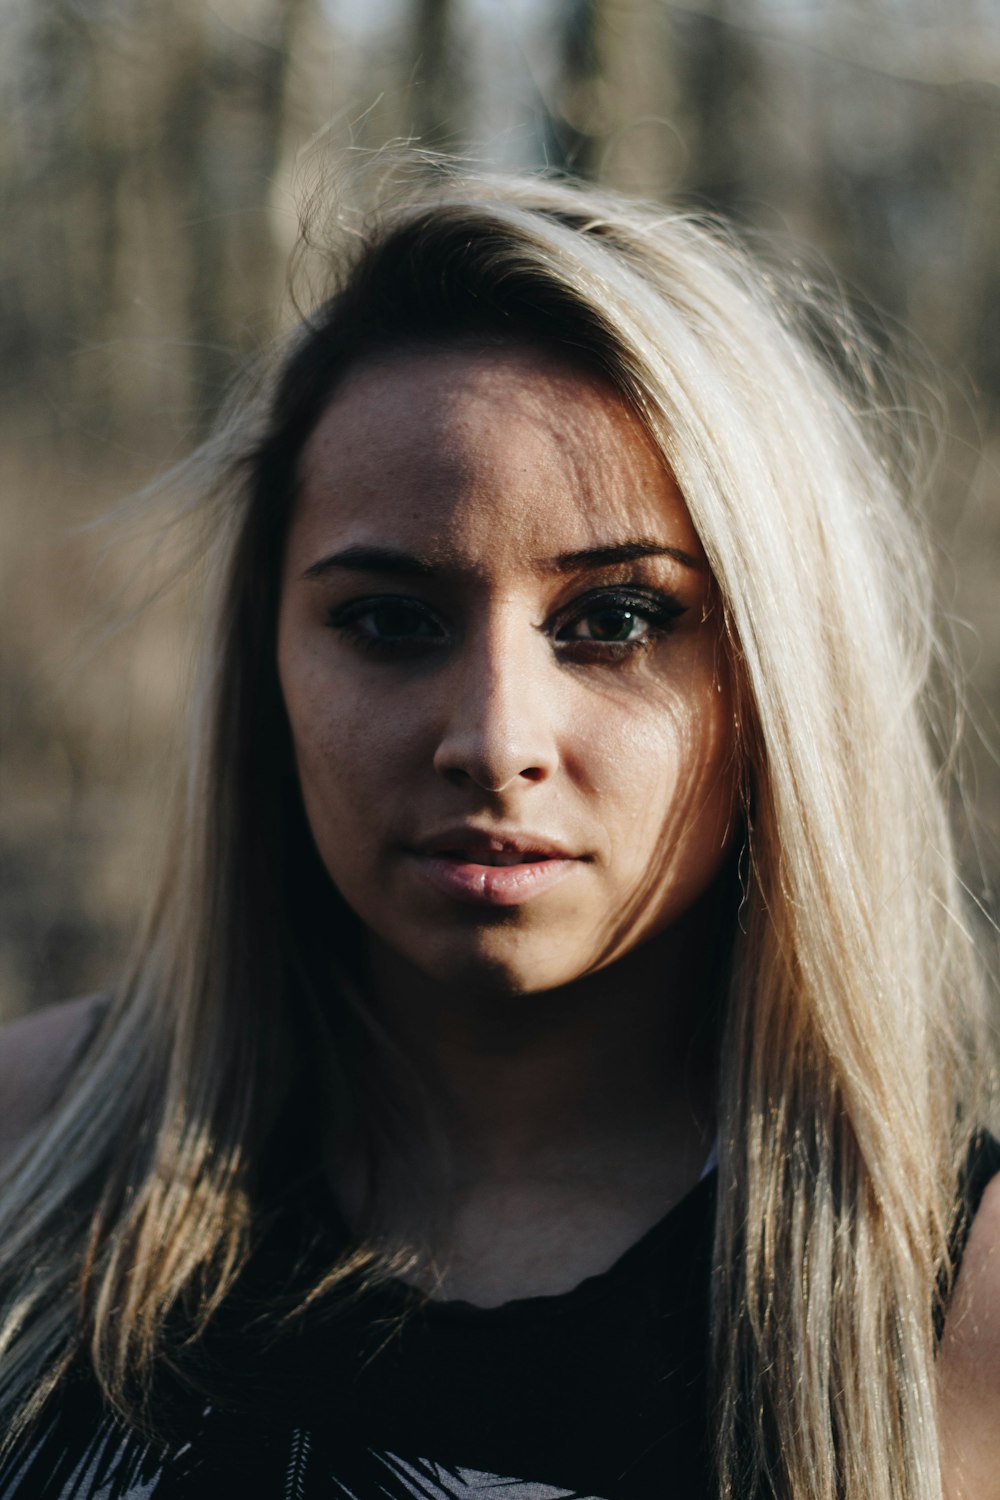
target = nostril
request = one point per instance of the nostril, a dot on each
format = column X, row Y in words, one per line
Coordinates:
column 493, row 755
column 481, row 776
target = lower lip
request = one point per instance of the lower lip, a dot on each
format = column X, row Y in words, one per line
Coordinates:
column 494, row 885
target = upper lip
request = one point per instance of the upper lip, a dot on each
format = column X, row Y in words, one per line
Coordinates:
column 469, row 842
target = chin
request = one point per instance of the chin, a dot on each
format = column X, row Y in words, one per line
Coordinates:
column 495, row 966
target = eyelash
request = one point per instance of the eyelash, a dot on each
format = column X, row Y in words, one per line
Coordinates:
column 659, row 611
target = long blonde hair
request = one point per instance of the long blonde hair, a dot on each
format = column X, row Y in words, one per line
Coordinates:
column 848, row 1087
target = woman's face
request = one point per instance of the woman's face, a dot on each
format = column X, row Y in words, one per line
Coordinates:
column 501, row 656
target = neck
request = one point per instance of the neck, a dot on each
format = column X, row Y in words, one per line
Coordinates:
column 536, row 1135
column 622, row 1055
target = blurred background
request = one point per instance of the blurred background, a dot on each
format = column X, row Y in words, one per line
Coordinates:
column 151, row 156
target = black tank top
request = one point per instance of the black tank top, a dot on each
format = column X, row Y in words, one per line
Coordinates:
column 597, row 1394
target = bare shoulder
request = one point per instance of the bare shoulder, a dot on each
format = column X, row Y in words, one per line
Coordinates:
column 969, row 1363
column 37, row 1053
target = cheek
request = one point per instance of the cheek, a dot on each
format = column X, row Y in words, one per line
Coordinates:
column 669, row 780
column 668, row 750
column 341, row 751
column 342, row 757
column 343, row 787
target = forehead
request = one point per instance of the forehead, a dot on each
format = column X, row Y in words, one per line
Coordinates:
column 468, row 456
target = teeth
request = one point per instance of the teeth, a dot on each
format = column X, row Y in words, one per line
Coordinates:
column 502, row 858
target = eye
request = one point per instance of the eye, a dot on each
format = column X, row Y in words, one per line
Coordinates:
column 619, row 619
column 613, row 623
column 389, row 624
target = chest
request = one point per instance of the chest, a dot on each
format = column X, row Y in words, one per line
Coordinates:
column 597, row 1393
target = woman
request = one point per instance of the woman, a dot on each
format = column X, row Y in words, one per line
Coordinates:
column 560, row 804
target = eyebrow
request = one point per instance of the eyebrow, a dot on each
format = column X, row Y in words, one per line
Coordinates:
column 620, row 552
column 361, row 559
column 372, row 560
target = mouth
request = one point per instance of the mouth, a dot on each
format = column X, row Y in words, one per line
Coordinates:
column 495, row 858
column 491, row 870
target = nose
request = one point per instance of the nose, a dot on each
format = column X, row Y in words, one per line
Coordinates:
column 499, row 730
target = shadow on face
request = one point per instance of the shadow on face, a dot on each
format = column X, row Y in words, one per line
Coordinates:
column 503, row 664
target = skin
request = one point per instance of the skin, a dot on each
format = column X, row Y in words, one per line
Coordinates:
column 573, row 1119
column 969, row 1365
column 37, row 1056
column 556, row 1038
column 555, row 1033
column 502, row 714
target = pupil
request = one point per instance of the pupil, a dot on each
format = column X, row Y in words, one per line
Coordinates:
column 612, row 625
column 393, row 619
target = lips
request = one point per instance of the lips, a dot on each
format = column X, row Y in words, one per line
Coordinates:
column 495, row 859
column 507, row 869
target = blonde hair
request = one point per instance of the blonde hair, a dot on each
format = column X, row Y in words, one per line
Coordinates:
column 848, row 1087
